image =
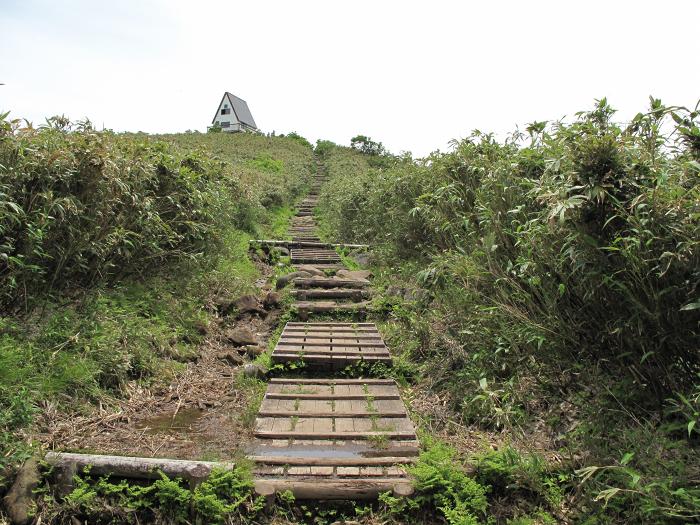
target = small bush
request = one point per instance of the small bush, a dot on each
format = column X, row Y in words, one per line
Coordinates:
column 441, row 482
column 267, row 163
column 223, row 496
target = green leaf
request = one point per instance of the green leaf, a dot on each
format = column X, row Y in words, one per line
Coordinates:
column 626, row 458
column 690, row 306
column 691, row 426
column 607, row 494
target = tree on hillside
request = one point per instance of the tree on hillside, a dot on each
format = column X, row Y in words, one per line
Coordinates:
column 367, row 146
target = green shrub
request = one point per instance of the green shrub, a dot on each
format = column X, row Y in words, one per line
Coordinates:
column 83, row 207
column 441, row 482
column 223, row 495
column 298, row 138
column 562, row 267
column 267, row 163
column 324, row 148
column 509, row 472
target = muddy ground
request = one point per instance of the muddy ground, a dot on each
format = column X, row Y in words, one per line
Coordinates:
column 205, row 413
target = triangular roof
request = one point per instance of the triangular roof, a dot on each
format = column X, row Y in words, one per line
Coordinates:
column 240, row 109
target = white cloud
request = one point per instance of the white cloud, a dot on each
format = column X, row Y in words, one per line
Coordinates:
column 412, row 74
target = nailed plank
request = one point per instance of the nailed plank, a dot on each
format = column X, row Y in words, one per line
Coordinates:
column 337, row 341
column 360, row 435
column 329, row 414
column 279, row 395
column 359, row 488
column 331, row 324
column 332, row 381
column 328, row 282
column 334, row 461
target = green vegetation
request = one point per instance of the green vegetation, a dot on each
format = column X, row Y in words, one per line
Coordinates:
column 553, row 283
column 225, row 494
column 114, row 247
column 543, row 288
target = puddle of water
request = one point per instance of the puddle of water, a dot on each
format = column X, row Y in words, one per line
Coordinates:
column 184, row 422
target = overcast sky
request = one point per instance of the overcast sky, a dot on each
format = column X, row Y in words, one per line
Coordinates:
column 411, row 74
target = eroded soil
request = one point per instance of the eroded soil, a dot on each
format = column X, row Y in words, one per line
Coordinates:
column 201, row 414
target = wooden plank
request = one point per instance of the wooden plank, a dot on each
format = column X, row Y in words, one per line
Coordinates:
column 362, row 335
column 355, row 488
column 331, row 308
column 332, row 461
column 283, row 242
column 329, row 413
column 278, row 395
column 331, row 341
column 360, row 435
column 281, row 380
column 330, row 352
column 294, row 324
column 327, row 282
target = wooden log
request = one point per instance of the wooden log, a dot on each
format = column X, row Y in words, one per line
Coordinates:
column 330, row 308
column 327, row 282
column 135, row 467
column 307, row 244
column 360, row 488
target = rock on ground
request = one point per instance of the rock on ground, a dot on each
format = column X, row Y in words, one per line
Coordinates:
column 248, row 304
column 354, row 274
column 241, row 337
column 230, row 357
column 254, row 351
column 253, row 370
column 272, row 300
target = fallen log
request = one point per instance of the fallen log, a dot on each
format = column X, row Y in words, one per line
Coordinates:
column 133, row 467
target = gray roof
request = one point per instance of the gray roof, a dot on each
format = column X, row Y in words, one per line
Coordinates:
column 240, row 108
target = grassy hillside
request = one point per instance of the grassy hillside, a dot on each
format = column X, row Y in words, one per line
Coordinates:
column 112, row 248
column 544, row 291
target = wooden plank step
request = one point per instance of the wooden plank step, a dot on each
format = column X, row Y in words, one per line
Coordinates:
column 329, row 282
column 284, row 242
column 324, row 472
column 332, row 293
column 314, row 258
column 327, row 307
column 331, row 324
column 341, row 334
column 330, row 397
column 344, row 343
column 284, row 381
column 351, row 489
column 331, row 345
column 333, row 461
column 299, row 413
column 294, row 434
column 326, row 266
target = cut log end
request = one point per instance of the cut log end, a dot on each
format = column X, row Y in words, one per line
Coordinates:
column 403, row 489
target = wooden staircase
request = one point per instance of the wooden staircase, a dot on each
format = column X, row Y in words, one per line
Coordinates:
column 328, row 438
